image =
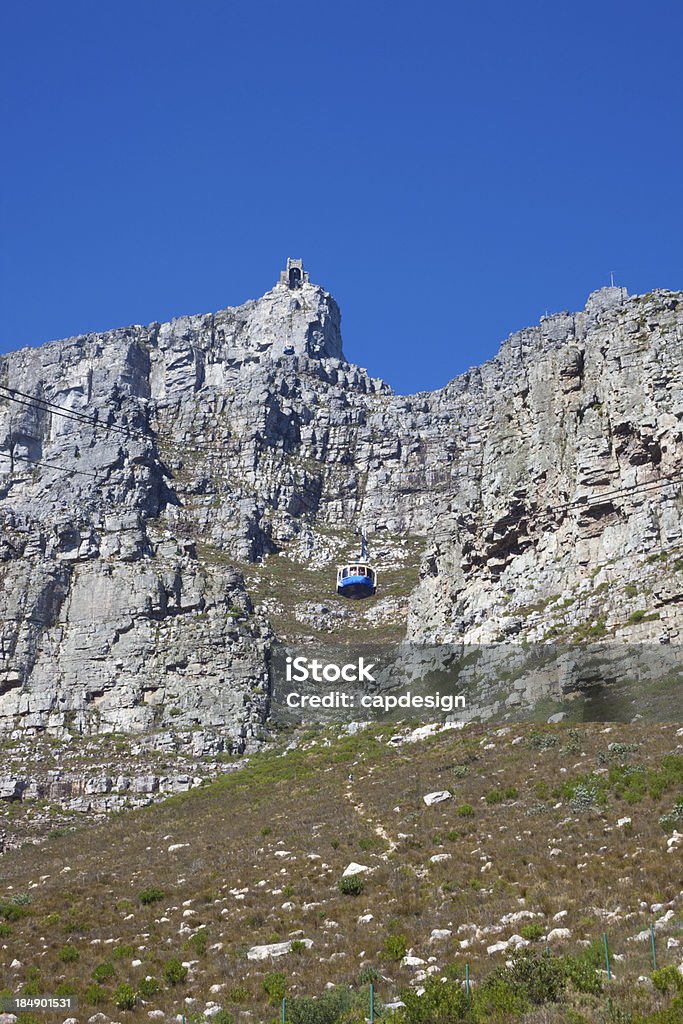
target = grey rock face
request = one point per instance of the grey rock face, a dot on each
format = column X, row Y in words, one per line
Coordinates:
column 189, row 450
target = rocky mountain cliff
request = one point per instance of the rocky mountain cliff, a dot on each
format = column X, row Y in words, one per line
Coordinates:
column 173, row 497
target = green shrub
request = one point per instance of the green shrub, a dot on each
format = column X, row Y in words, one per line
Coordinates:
column 238, row 994
column 368, row 975
column 125, row 997
column 510, row 792
column 395, row 947
column 674, row 816
column 199, row 941
column 174, row 972
column 497, row 999
column 636, row 617
column 12, row 911
column 95, row 995
column 333, row 1007
column 5, row 931
column 542, row 740
column 275, row 987
column 223, row 1017
column 65, row 988
column 352, row 885
column 297, row 946
column 531, row 931
column 668, row 776
column 668, row 979
column 148, row 987
column 151, row 895
column 583, row 799
column 123, row 953
column 539, row 976
column 582, row 970
column 69, row 954
column 443, row 1002
column 494, row 796
column 103, row 971
column 465, row 810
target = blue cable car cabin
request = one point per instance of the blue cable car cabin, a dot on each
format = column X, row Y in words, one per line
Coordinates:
column 356, row 580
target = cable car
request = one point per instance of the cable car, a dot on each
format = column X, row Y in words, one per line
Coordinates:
column 359, row 578
column 288, row 350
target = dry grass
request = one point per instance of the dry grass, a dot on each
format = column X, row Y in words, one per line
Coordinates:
column 338, row 802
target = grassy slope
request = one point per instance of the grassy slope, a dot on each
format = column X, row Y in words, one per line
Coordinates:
column 338, row 802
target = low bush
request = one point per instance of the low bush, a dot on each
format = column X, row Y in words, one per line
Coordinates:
column 125, row 997
column 151, row 895
column 581, row 970
column 199, row 942
column 352, row 885
column 123, row 953
column 668, row 979
column 539, row 976
column 332, row 1007
column 174, row 972
column 275, row 987
column 148, row 987
column 95, row 995
column 494, row 796
column 368, row 975
column 223, row 1017
column 69, row 954
column 238, row 994
column 12, row 911
column 442, row 1002
column 103, row 971
column 395, row 947
column 497, row 999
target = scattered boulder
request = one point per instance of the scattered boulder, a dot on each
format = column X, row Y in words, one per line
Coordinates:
column 437, row 797
column 273, row 949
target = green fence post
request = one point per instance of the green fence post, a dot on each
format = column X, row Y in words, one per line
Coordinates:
column 654, row 951
column 284, row 1011
column 609, row 969
column 372, row 1003
column 467, row 982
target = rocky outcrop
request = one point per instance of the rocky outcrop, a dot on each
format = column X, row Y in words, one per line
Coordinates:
column 143, row 472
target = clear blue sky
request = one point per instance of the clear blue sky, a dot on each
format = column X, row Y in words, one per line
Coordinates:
column 448, row 171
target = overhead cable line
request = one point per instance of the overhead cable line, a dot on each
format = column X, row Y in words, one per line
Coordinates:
column 49, row 465
column 44, row 405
